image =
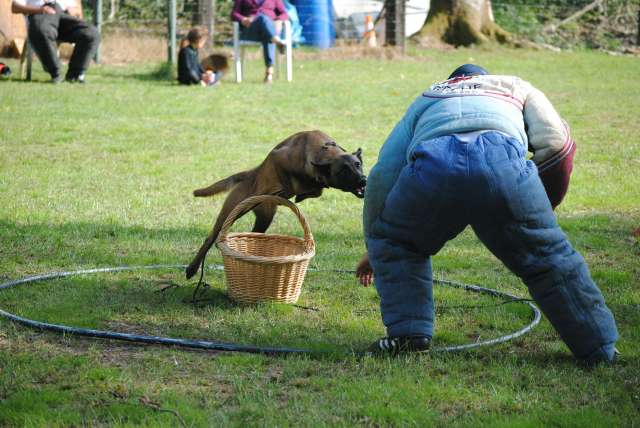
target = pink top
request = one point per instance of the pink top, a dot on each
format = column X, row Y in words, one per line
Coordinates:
column 274, row 9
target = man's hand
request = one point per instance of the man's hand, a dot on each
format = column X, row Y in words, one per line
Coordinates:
column 47, row 10
column 364, row 271
column 74, row 11
column 246, row 22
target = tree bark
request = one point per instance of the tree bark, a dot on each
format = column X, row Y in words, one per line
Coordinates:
column 462, row 23
column 205, row 16
column 573, row 17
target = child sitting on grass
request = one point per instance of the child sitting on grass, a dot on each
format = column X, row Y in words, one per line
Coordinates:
column 190, row 71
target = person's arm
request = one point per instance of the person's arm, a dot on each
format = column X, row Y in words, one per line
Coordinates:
column 364, row 271
column 195, row 69
column 391, row 159
column 281, row 11
column 74, row 11
column 188, row 66
column 551, row 143
column 70, row 7
column 556, row 173
column 17, row 7
column 236, row 13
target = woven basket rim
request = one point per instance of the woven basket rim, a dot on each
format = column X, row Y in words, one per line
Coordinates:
column 290, row 269
column 226, row 250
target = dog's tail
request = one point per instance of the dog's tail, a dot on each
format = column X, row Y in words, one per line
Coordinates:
column 222, row 185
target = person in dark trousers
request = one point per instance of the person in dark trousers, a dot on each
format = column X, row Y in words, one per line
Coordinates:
column 262, row 22
column 458, row 158
column 50, row 22
column 190, row 71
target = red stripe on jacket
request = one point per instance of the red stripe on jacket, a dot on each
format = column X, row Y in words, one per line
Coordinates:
column 555, row 173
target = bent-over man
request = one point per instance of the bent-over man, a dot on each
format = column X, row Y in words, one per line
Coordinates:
column 458, row 158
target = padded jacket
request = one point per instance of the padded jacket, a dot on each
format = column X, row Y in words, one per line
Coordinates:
column 476, row 103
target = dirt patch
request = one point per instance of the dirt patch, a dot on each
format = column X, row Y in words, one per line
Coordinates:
column 128, row 328
column 121, row 46
column 120, row 355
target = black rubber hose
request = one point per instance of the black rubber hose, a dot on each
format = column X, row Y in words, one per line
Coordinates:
column 221, row 346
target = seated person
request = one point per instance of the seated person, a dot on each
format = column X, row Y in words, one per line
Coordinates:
column 262, row 21
column 190, row 71
column 50, row 22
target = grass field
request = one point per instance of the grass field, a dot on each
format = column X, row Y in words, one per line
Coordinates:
column 101, row 175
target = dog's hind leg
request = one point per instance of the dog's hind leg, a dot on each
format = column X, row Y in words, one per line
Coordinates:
column 264, row 216
column 237, row 195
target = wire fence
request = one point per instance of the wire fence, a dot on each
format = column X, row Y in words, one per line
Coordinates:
column 138, row 30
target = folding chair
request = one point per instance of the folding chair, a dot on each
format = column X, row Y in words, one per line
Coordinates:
column 26, row 61
column 239, row 48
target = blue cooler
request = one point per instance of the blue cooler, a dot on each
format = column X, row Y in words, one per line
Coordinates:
column 316, row 17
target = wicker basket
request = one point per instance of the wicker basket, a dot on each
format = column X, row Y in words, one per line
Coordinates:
column 264, row 267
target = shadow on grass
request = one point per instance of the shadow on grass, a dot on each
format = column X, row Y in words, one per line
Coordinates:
column 124, row 306
column 43, row 246
column 164, row 72
column 86, row 245
column 35, row 81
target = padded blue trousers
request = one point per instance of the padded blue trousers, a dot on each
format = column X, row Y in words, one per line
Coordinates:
column 485, row 182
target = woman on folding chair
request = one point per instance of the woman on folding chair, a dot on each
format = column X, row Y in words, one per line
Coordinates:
column 261, row 21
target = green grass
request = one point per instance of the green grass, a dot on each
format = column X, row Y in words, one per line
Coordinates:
column 101, row 175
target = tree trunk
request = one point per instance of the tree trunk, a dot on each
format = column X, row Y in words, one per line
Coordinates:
column 461, row 23
column 204, row 16
column 112, row 10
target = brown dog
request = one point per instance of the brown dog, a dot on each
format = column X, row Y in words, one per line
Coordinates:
column 300, row 166
column 215, row 63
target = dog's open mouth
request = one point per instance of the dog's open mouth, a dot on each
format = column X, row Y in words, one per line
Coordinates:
column 359, row 192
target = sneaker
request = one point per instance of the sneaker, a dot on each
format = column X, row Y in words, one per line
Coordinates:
column 280, row 44
column 400, row 344
column 268, row 78
column 76, row 79
column 616, row 355
column 56, row 79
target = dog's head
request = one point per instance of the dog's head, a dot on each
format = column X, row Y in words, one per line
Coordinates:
column 216, row 62
column 341, row 170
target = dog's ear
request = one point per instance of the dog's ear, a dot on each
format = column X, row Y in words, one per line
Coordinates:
column 358, row 154
column 322, row 166
column 322, row 161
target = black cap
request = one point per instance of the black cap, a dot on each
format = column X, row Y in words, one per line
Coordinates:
column 468, row 70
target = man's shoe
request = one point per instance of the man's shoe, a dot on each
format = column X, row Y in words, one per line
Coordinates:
column 616, row 355
column 399, row 345
column 280, row 44
column 56, row 79
column 76, row 79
